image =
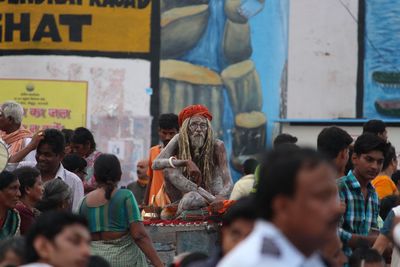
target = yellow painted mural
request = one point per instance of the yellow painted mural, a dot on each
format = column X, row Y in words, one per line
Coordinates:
column 76, row 25
column 48, row 104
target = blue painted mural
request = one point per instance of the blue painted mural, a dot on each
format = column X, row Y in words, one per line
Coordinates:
column 382, row 59
column 230, row 55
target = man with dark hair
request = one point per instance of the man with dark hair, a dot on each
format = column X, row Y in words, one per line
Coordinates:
column 49, row 154
column 376, row 127
column 357, row 192
column 383, row 183
column 58, row 239
column 334, row 143
column 245, row 184
column 298, row 211
column 168, row 127
column 284, row 138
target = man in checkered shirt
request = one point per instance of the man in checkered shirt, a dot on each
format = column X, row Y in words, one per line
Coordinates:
column 362, row 204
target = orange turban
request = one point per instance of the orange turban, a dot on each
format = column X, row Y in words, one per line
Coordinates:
column 193, row 110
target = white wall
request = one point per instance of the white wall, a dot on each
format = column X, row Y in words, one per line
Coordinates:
column 307, row 135
column 322, row 61
column 118, row 106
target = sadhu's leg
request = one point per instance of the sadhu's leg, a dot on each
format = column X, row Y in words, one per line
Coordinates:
column 191, row 201
column 184, row 185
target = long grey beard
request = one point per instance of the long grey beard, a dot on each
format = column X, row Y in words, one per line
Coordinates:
column 197, row 143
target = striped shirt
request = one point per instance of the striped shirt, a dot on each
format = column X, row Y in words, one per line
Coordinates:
column 361, row 214
column 114, row 216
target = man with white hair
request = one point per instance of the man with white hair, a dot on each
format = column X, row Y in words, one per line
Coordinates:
column 11, row 130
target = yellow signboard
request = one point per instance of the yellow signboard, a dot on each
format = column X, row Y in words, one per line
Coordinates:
column 76, row 25
column 48, row 104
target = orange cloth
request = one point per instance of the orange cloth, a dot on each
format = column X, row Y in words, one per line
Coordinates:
column 15, row 140
column 384, row 186
column 156, row 177
column 193, row 110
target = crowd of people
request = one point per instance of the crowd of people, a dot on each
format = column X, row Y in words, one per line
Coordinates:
column 60, row 203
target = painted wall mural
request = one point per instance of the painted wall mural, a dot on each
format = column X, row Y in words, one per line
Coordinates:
column 212, row 54
column 382, row 59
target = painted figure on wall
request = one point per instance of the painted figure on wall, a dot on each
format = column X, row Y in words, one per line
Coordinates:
column 382, row 59
column 205, row 50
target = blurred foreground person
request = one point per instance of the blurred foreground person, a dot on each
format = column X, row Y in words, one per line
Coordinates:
column 115, row 222
column 237, row 224
column 366, row 257
column 333, row 253
column 186, row 259
column 298, row 211
column 58, row 239
column 12, row 252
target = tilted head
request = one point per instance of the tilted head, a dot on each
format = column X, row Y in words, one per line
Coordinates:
column 11, row 114
column 368, row 156
column 82, row 142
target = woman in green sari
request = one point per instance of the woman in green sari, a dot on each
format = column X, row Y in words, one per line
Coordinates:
column 114, row 219
column 9, row 196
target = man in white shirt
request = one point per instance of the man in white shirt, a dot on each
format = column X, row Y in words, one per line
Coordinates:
column 11, row 131
column 58, row 239
column 245, row 184
column 298, row 211
column 49, row 154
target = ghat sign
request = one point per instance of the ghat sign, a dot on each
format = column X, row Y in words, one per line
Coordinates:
column 48, row 104
column 76, row 25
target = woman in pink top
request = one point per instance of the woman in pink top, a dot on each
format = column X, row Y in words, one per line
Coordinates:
column 83, row 144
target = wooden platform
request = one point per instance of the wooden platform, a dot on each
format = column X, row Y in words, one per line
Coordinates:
column 173, row 239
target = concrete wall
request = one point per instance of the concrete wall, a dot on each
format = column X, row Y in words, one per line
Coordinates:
column 307, row 135
column 322, row 59
column 118, row 105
